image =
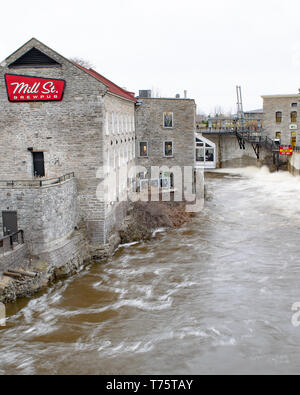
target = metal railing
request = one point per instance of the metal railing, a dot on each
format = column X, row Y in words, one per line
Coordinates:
column 36, row 183
column 9, row 242
column 228, row 130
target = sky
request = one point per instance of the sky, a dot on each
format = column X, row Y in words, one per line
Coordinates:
column 204, row 47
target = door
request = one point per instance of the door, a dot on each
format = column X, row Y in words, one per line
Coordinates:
column 10, row 223
column 38, row 164
column 293, row 139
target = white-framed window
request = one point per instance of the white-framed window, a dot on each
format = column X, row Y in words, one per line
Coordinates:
column 168, row 148
column 112, row 123
column 106, row 124
column 118, row 124
column 143, row 148
column 168, row 120
column 121, row 124
column 129, row 124
column 130, row 151
column 108, row 161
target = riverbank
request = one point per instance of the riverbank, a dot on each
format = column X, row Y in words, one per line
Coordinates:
column 143, row 218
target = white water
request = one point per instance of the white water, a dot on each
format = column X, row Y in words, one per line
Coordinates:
column 212, row 297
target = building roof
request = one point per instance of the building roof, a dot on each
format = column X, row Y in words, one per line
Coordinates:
column 112, row 88
column 259, row 111
column 292, row 96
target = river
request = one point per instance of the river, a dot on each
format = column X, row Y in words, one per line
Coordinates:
column 214, row 296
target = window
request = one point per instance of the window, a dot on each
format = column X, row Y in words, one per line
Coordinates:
column 294, row 104
column 168, row 148
column 205, row 153
column 112, row 123
column 118, row 123
column 278, row 135
column 143, row 148
column 168, row 120
column 108, row 161
column 294, row 116
column 122, row 124
column 106, row 124
column 278, row 117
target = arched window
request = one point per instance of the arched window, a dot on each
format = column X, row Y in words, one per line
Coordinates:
column 294, row 116
column 278, row 117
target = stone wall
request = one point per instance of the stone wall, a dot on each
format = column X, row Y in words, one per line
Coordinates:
column 69, row 132
column 272, row 104
column 149, row 128
column 119, row 151
column 47, row 215
column 14, row 259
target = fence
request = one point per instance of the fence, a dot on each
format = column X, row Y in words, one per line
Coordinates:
column 9, row 242
column 36, row 183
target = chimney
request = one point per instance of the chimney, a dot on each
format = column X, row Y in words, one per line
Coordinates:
column 185, row 94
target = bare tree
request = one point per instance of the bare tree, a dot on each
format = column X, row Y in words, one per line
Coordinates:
column 155, row 92
column 82, row 62
column 218, row 111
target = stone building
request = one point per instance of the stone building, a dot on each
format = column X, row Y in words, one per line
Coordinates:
column 165, row 135
column 60, row 125
column 65, row 131
column 280, row 118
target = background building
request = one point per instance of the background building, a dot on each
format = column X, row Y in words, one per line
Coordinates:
column 165, row 134
column 280, row 118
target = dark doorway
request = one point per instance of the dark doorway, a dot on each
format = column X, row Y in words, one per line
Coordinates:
column 38, row 164
column 10, row 222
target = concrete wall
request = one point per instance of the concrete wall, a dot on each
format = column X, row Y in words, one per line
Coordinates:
column 229, row 153
column 48, row 215
column 294, row 164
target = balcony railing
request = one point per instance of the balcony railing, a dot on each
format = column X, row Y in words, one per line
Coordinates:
column 35, row 183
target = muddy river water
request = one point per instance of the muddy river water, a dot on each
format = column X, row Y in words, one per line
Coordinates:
column 214, row 296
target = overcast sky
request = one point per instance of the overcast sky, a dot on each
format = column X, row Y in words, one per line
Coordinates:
column 205, row 47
